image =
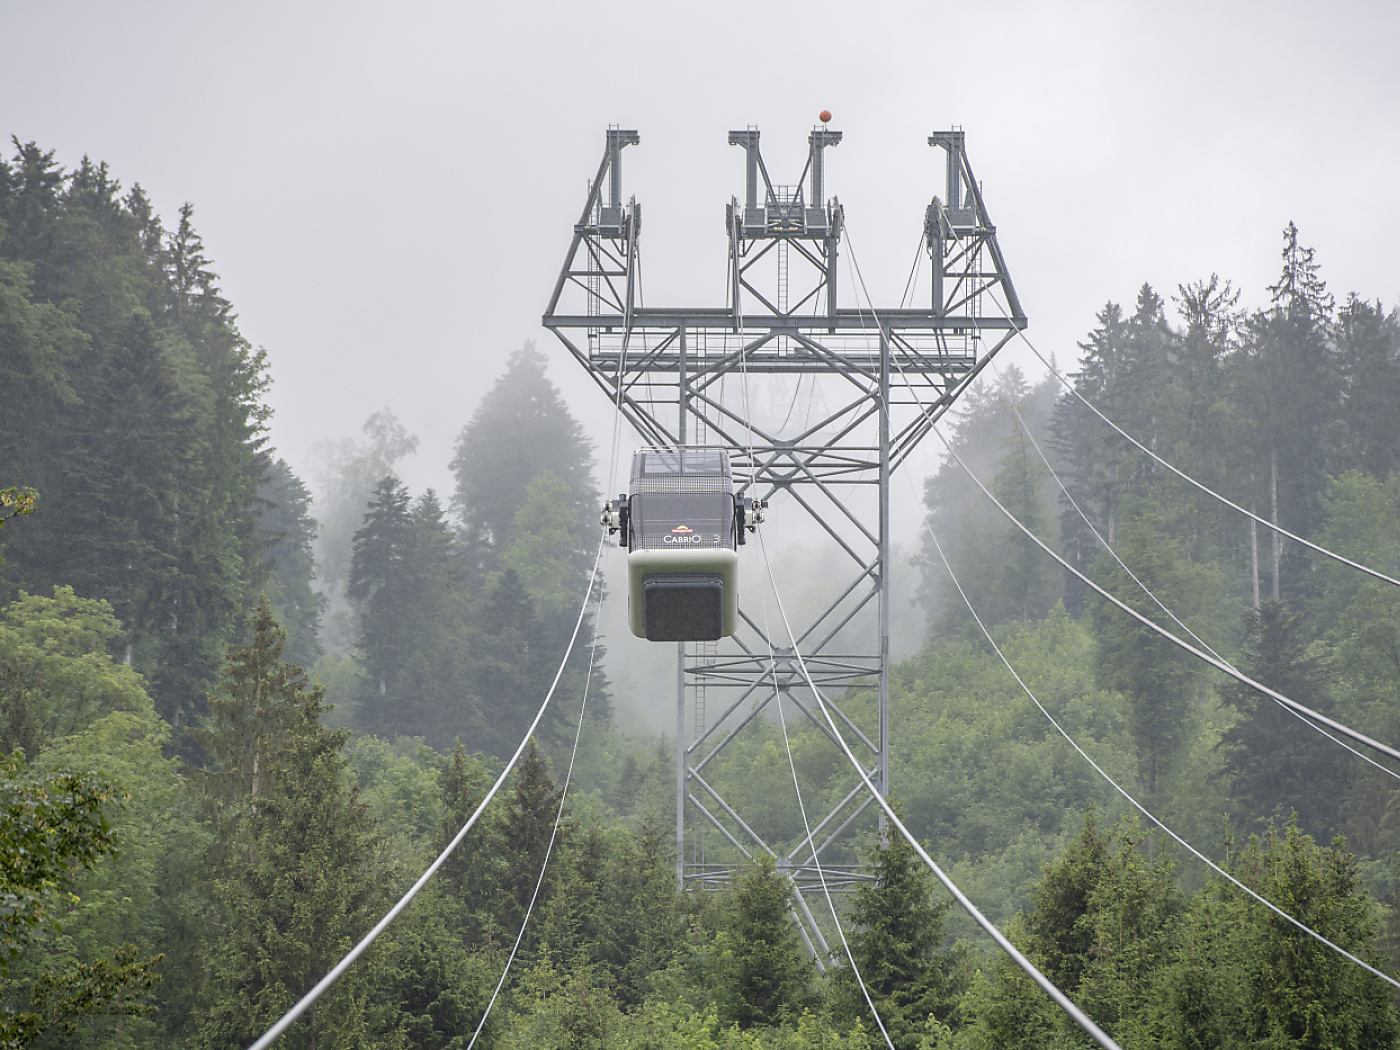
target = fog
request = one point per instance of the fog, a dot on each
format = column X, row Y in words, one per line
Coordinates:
column 388, row 192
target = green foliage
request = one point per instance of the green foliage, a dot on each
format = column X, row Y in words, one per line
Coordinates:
column 521, row 429
column 896, row 931
column 143, row 418
column 522, row 837
column 407, row 579
column 1245, row 977
column 53, row 827
column 763, row 975
column 1004, row 576
column 296, row 875
column 16, row 503
column 1279, row 764
column 542, row 551
column 1159, row 680
column 288, row 535
column 346, row 473
column 56, row 677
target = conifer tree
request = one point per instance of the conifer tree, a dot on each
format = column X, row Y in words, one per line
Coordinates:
column 1368, row 360
column 521, row 428
column 522, row 836
column 296, row 878
column 467, row 872
column 250, row 714
column 1277, row 764
column 1286, row 382
column 765, row 978
column 896, row 931
column 345, row 476
column 1159, row 680
column 415, row 633
column 288, row 535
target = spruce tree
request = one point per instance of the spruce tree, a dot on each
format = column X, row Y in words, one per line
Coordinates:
column 765, row 978
column 895, row 933
column 1277, row 764
column 288, row 534
column 521, row 428
column 1159, row 680
column 296, row 878
column 522, row 837
column 1367, row 347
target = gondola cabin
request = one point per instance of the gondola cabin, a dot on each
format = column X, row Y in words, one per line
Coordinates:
column 681, row 524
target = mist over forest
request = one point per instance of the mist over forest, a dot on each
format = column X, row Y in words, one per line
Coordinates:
column 245, row 701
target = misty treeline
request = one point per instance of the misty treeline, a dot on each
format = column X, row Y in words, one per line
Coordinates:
column 238, row 722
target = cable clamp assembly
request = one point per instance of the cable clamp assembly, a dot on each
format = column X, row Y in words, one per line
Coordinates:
column 616, row 517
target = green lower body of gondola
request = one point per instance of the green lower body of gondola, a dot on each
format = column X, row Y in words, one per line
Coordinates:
column 683, row 595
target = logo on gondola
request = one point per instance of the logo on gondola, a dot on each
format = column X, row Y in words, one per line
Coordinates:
column 682, row 534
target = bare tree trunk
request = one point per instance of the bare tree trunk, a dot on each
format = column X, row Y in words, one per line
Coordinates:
column 1254, row 557
column 1273, row 498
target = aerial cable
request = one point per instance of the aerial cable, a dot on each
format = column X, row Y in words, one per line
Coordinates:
column 807, row 826
column 1192, row 481
column 1147, row 591
column 553, row 835
column 1199, row 654
column 1132, row 801
column 821, row 874
column 1085, row 1023
column 1278, row 698
column 1215, row 662
column 285, row 1022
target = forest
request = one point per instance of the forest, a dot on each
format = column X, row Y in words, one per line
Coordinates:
column 243, row 704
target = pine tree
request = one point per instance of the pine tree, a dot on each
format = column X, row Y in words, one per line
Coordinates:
column 1285, row 381
column 296, row 877
column 522, row 836
column 377, row 583
column 250, row 714
column 1026, row 579
column 1367, row 346
column 1159, row 679
column 896, row 930
column 345, row 476
column 764, row 976
column 288, row 535
column 1247, row 977
column 416, row 631
column 145, row 420
column 521, row 428
column 467, row 872
column 512, row 666
column 1278, row 764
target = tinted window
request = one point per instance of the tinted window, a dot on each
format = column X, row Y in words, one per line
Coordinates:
column 663, row 519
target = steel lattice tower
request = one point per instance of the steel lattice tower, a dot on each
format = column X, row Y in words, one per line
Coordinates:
column 697, row 374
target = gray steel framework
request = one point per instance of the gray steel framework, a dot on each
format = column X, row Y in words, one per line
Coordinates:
column 876, row 381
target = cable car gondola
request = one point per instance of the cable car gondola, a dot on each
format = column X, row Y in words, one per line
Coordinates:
column 681, row 524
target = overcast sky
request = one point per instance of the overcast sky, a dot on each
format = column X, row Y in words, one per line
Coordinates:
column 387, row 190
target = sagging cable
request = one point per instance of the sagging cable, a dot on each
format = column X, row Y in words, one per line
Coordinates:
column 1078, row 1016
column 1220, row 665
column 336, row 972
column 1134, row 577
column 1377, row 574
column 1297, row 923
column 553, row 835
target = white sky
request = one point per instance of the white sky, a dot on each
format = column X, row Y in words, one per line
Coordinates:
column 387, row 191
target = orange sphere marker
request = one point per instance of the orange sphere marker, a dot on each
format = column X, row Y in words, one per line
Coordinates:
column 825, row 116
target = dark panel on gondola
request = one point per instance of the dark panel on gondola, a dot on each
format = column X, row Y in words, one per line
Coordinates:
column 683, row 607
